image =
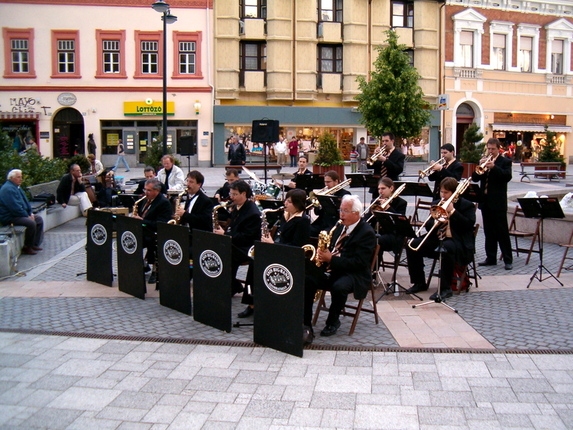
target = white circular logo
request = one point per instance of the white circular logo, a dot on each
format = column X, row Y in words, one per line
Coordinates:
column 149, row 101
column 278, row 279
column 98, row 234
column 128, row 242
column 67, row 99
column 173, row 252
column 210, row 263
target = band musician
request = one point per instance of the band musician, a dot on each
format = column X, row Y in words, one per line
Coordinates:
column 451, row 168
column 326, row 219
column 244, row 228
column 294, row 225
column 458, row 242
column 196, row 209
column 391, row 164
column 155, row 208
column 149, row 173
column 493, row 205
column 345, row 265
column 222, row 193
column 302, row 171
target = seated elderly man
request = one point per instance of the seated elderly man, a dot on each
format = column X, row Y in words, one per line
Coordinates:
column 15, row 209
column 72, row 191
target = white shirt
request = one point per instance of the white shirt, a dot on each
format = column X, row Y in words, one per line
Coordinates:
column 280, row 147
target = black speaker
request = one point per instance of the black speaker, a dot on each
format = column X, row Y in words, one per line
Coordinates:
column 265, row 131
column 187, row 145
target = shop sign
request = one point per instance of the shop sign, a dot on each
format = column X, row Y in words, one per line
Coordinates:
column 147, row 107
column 67, row 99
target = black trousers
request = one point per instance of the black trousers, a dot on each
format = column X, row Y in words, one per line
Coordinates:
column 238, row 258
column 34, row 229
column 429, row 249
column 496, row 232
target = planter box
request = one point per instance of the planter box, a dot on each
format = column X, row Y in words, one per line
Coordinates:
column 469, row 168
column 322, row 170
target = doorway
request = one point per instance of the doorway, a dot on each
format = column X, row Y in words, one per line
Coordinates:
column 68, row 132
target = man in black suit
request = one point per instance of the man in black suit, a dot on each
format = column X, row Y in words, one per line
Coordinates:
column 345, row 268
column 149, row 173
column 451, row 168
column 302, row 171
column 391, row 164
column 327, row 216
column 244, row 229
column 458, row 243
column 493, row 205
column 196, row 211
column 155, row 208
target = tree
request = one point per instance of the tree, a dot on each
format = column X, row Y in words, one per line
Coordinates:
column 471, row 151
column 550, row 149
column 328, row 152
column 392, row 101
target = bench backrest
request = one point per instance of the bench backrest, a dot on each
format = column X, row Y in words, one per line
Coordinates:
column 45, row 187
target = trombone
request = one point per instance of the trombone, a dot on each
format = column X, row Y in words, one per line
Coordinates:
column 378, row 205
column 439, row 213
column 325, row 192
column 428, row 170
column 481, row 169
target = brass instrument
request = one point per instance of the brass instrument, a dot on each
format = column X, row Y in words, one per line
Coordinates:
column 377, row 153
column 481, row 169
column 309, row 251
column 428, row 170
column 177, row 219
column 324, row 239
column 134, row 210
column 215, row 216
column 382, row 207
column 325, row 192
column 264, row 227
column 439, row 212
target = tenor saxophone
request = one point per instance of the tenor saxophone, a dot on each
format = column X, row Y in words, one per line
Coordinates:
column 134, row 209
column 177, row 219
column 324, row 239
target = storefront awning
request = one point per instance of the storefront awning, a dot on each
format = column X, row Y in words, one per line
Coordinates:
column 18, row 115
column 531, row 128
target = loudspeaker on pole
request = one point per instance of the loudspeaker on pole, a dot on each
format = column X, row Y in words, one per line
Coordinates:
column 265, row 131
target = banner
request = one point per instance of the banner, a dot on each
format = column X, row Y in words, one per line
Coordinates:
column 130, row 274
column 99, row 247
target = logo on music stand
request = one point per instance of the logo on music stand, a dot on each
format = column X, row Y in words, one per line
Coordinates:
column 128, row 242
column 210, row 263
column 173, row 253
column 98, row 234
column 278, row 279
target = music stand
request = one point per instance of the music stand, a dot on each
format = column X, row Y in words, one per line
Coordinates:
column 417, row 189
column 472, row 193
column 400, row 225
column 541, row 207
column 305, row 182
column 361, row 179
column 330, row 204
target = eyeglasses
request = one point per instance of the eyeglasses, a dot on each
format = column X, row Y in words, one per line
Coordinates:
column 344, row 211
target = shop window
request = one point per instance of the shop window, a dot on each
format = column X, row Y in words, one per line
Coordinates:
column 253, row 9
column 65, row 54
column 18, row 53
column 149, row 60
column 498, row 52
column 111, row 54
column 557, row 57
column 330, row 10
column 253, row 57
column 188, row 55
column 526, row 53
column 403, row 14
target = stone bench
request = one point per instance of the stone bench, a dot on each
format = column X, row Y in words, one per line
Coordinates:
column 542, row 170
column 11, row 243
column 54, row 215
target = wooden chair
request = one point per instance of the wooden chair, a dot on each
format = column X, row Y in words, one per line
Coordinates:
column 421, row 205
column 567, row 246
column 516, row 232
column 352, row 310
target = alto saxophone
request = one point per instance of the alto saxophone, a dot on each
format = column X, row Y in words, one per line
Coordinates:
column 215, row 215
column 324, row 239
column 264, row 227
column 134, row 210
column 177, row 219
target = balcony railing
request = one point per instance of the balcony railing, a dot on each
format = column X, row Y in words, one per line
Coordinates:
column 467, row 73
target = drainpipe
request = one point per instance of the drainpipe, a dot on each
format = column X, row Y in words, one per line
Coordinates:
column 293, row 52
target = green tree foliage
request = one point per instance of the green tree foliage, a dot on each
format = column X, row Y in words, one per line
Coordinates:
column 82, row 161
column 392, row 100
column 154, row 153
column 472, row 151
column 550, row 149
column 328, row 152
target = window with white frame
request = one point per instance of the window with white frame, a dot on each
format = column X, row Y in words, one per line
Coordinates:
column 467, row 48
column 330, row 10
column 559, row 35
column 187, row 57
column 111, row 56
column 20, row 55
column 557, row 57
column 498, row 52
column 467, row 40
column 66, row 56
column 149, row 57
column 525, row 56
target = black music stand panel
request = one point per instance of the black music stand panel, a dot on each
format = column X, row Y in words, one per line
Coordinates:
column 130, row 275
column 212, row 276
column 173, row 261
column 420, row 189
column 99, row 247
column 394, row 223
column 541, row 207
column 278, row 292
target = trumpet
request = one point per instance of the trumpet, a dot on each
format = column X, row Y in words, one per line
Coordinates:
column 377, row 153
column 428, row 170
column 439, row 213
column 177, row 219
column 134, row 210
column 382, row 206
column 481, row 169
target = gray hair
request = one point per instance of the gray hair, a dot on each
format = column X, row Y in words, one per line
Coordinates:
column 13, row 173
column 155, row 183
column 355, row 200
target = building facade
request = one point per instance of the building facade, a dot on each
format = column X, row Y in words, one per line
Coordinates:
column 508, row 68
column 75, row 68
column 298, row 62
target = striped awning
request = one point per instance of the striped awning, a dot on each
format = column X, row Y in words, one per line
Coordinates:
column 18, row 115
column 536, row 128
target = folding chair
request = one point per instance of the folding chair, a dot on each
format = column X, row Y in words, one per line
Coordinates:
column 567, row 246
column 516, row 233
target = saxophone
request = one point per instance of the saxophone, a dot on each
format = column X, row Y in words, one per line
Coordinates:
column 264, row 227
column 134, row 209
column 177, row 219
column 324, row 239
column 215, row 216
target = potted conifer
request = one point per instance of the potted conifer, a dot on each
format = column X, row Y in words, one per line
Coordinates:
column 329, row 156
column 471, row 151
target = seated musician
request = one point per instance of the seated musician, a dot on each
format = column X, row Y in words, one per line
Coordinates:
column 71, row 190
column 149, row 173
column 326, row 219
column 294, row 225
column 388, row 240
column 222, row 193
column 390, row 164
column 196, row 208
column 302, row 171
column 155, row 208
column 451, row 168
column 346, row 265
column 458, row 243
column 244, row 228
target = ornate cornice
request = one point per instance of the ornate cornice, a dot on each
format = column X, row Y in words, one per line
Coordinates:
column 182, row 4
column 130, row 89
column 541, row 7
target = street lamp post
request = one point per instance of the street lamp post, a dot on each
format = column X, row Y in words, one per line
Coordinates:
column 163, row 8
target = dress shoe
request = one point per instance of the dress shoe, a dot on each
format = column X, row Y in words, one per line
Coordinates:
column 37, row 248
column 247, row 312
column 508, row 266
column 487, row 263
column 28, row 251
column 146, row 268
column 330, row 329
column 445, row 294
column 417, row 288
column 152, row 278
column 307, row 335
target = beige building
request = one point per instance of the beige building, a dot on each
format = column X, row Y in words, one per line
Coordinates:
column 508, row 67
column 297, row 62
column 75, row 68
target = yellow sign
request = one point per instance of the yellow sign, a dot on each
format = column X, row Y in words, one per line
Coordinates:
column 145, row 108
